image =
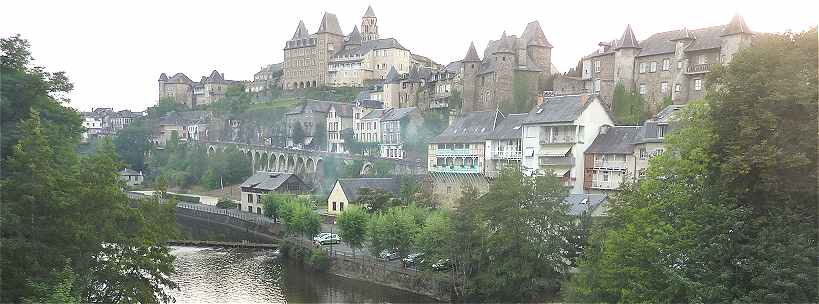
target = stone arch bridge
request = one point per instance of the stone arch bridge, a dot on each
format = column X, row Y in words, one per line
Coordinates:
column 307, row 164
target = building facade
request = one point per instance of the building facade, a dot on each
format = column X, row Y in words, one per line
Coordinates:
column 262, row 183
column 666, row 66
column 511, row 65
column 183, row 90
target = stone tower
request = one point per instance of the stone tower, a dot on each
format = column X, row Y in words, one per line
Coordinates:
column 502, row 83
column 624, row 56
column 392, row 87
column 162, row 80
column 369, row 25
column 538, row 47
column 736, row 36
column 330, row 40
column 682, row 41
column 471, row 65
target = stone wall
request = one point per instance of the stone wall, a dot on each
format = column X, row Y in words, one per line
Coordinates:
column 365, row 268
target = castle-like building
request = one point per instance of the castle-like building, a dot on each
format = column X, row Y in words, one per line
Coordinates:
column 670, row 64
column 513, row 70
column 328, row 57
column 185, row 91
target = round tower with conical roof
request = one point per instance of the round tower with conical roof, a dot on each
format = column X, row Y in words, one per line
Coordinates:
column 471, row 65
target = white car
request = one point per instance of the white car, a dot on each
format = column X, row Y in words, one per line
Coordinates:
column 331, row 238
column 389, row 255
column 320, row 236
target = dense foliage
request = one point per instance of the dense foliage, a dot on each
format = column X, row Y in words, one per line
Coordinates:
column 70, row 234
column 352, row 225
column 728, row 213
column 186, row 164
column 628, row 106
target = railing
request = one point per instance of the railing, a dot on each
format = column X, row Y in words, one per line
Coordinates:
column 559, row 140
column 456, row 169
column 699, row 68
column 608, row 185
column 234, row 213
column 556, row 160
column 454, row 152
column 610, row 164
column 507, row 154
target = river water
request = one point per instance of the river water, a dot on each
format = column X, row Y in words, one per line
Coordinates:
column 216, row 275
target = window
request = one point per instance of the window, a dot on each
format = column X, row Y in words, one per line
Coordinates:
column 642, row 67
column 642, row 89
column 605, row 176
column 250, row 198
column 250, row 209
column 701, row 59
column 334, row 206
column 597, row 66
column 677, row 87
column 643, row 153
column 664, row 87
column 662, row 130
column 597, row 85
column 259, row 210
column 679, row 65
column 653, row 66
column 698, row 84
column 666, row 64
column 340, row 206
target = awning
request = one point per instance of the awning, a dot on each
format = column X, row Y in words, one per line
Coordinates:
column 548, row 150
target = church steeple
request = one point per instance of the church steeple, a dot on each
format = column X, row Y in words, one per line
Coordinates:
column 369, row 25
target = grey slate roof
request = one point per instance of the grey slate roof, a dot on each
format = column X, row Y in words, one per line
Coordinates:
column 617, row 140
column 662, row 43
column 369, row 12
column 508, row 127
column 180, row 78
column 351, row 186
column 215, row 77
column 329, row 24
column 649, row 132
column 559, row 109
column 470, row 127
column 354, row 38
column 533, row 35
column 684, row 34
column 301, row 31
column 582, row 203
column 366, row 46
column 268, row 181
column 397, row 113
column 628, row 40
column 163, row 77
column 471, row 54
column 706, row 38
column 736, row 26
column 392, row 76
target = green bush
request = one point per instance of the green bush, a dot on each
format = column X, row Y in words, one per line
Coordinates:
column 185, row 198
column 319, row 260
column 227, row 204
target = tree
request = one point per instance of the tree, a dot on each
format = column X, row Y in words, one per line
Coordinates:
column 352, row 224
column 436, row 237
column 273, row 202
column 627, row 106
column 351, row 143
column 59, row 289
column 375, row 199
column 455, row 100
column 132, row 143
column 165, row 105
column 299, row 218
column 393, row 228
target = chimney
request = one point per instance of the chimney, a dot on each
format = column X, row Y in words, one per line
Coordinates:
column 584, row 98
column 604, row 129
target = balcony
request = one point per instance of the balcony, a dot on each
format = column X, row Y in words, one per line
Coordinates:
column 454, row 152
column 612, row 165
column 506, row 154
column 699, row 68
column 456, row 169
column 548, row 161
column 559, row 140
column 605, row 185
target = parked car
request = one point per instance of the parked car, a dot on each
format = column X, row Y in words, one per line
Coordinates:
column 320, row 236
column 442, row 264
column 389, row 255
column 328, row 239
column 414, row 259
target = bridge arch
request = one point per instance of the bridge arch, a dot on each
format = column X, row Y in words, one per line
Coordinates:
column 366, row 169
column 211, row 150
column 281, row 163
column 262, row 162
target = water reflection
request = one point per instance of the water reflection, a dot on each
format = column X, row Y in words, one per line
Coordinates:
column 214, row 275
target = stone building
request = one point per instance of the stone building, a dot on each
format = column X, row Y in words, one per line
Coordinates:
column 331, row 58
column 423, row 87
column 262, row 183
column 185, row 91
column 670, row 64
column 511, row 65
column 266, row 78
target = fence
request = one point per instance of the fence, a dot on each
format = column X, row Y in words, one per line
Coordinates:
column 233, row 213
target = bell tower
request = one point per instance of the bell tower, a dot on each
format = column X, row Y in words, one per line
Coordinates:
column 369, row 25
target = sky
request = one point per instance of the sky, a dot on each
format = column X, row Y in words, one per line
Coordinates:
column 114, row 51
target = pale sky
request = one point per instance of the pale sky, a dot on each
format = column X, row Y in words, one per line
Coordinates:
column 114, row 51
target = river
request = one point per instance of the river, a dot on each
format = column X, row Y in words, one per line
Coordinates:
column 216, row 275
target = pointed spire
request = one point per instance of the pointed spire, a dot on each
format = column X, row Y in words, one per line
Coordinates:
column 301, row 31
column 329, row 24
column 628, row 40
column 392, row 76
column 369, row 13
column 683, row 35
column 533, row 35
column 736, row 26
column 163, row 77
column 354, row 38
column 471, row 54
column 504, row 45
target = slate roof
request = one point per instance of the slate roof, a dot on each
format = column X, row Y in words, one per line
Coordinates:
column 301, row 31
column 508, row 127
column 269, row 181
column 215, row 76
column 582, row 203
column 736, row 26
column 329, row 24
column 351, row 186
column 180, row 78
column 369, row 12
column 663, row 43
column 470, row 127
column 616, row 140
column 628, row 40
column 366, row 46
column 533, row 35
column 392, row 76
column 163, row 77
column 471, row 54
column 559, row 109
column 649, row 132
column 397, row 113
column 454, row 67
column 369, row 103
column 354, row 38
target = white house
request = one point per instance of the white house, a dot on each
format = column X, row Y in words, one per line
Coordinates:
column 557, row 132
column 346, row 191
column 131, row 177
